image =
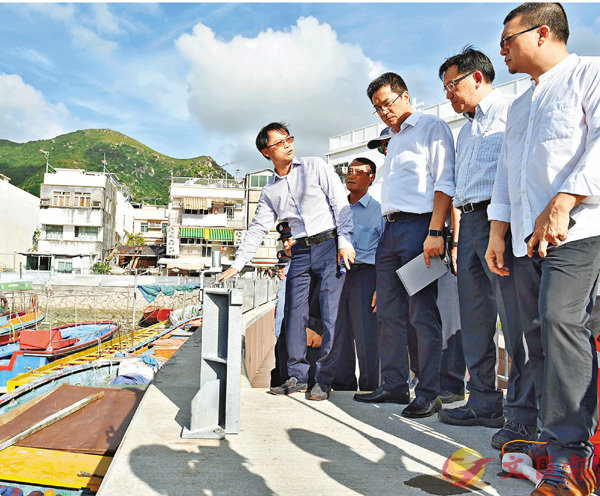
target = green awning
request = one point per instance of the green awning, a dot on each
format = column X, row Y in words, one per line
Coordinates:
column 191, row 232
column 220, row 234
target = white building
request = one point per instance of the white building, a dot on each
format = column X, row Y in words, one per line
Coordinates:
column 204, row 214
column 267, row 251
column 346, row 147
column 78, row 219
column 19, row 220
column 151, row 222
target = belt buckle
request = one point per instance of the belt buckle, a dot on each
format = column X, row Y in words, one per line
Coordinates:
column 468, row 210
column 388, row 217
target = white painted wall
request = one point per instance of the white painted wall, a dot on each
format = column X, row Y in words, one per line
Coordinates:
column 19, row 217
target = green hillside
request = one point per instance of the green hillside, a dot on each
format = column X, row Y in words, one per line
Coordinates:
column 147, row 173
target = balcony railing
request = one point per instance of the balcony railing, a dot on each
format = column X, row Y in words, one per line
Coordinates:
column 211, row 182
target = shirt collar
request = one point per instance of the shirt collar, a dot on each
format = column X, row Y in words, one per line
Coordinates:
column 411, row 120
column 562, row 65
column 485, row 103
column 364, row 201
column 296, row 161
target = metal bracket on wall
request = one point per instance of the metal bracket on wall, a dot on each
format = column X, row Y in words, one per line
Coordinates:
column 215, row 408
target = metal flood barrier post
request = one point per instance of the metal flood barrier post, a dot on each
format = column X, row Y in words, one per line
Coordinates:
column 216, row 405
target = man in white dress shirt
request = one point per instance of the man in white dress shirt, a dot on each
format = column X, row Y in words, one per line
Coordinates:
column 468, row 78
column 418, row 184
column 547, row 190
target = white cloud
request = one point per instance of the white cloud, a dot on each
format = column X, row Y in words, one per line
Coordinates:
column 33, row 56
column 25, row 114
column 105, row 21
column 86, row 38
column 303, row 75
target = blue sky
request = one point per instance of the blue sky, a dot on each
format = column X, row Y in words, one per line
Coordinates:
column 201, row 79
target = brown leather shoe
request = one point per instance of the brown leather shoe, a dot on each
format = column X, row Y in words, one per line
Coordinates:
column 559, row 480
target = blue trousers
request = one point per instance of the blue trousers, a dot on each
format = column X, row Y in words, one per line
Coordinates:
column 357, row 324
column 556, row 296
column 482, row 296
column 317, row 261
column 400, row 243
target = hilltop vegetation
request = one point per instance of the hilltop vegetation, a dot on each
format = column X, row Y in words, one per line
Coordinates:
column 147, row 173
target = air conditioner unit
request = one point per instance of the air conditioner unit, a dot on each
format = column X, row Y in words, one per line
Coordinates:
column 96, row 204
column 44, row 202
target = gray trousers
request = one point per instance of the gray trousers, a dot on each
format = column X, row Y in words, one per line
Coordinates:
column 483, row 296
column 557, row 296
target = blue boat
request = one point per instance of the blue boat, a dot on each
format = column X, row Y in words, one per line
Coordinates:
column 39, row 347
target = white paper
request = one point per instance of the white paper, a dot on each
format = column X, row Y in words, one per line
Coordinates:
column 415, row 275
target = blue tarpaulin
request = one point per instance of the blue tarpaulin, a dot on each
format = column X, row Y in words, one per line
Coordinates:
column 150, row 292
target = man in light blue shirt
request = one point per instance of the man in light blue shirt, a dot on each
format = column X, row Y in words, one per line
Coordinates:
column 309, row 195
column 357, row 322
column 468, row 79
column 416, row 194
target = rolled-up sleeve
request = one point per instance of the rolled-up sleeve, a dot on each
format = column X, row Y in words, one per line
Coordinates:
column 338, row 201
column 263, row 221
column 442, row 158
column 585, row 177
column 499, row 207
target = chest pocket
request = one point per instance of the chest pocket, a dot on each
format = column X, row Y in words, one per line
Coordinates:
column 364, row 237
column 558, row 120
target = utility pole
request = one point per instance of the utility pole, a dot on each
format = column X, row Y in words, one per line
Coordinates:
column 224, row 168
column 47, row 154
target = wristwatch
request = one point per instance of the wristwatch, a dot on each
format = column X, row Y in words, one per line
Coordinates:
column 454, row 244
column 436, row 233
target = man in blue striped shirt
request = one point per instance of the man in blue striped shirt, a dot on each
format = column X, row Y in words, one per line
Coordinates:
column 308, row 194
column 468, row 79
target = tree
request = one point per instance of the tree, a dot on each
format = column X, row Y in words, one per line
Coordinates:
column 135, row 239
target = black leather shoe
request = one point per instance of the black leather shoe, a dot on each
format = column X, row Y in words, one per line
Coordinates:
column 450, row 397
column 465, row 415
column 420, row 408
column 380, row 395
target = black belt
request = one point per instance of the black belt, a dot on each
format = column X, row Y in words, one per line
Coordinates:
column 396, row 216
column 467, row 208
column 317, row 238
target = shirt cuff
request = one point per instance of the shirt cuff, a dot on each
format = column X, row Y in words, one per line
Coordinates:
column 447, row 189
column 344, row 242
column 238, row 265
column 498, row 211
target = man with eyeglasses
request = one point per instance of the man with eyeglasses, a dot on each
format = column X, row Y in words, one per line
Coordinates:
column 547, row 190
column 452, row 367
column 468, row 79
column 357, row 322
column 418, row 184
column 309, row 195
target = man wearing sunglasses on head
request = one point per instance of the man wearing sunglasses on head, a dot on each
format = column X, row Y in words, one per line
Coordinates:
column 357, row 322
column 308, row 194
column 418, row 185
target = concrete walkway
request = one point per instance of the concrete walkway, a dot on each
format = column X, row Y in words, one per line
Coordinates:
column 291, row 446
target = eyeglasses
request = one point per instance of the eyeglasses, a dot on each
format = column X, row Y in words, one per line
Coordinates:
column 383, row 147
column 289, row 140
column 357, row 172
column 385, row 106
column 504, row 41
column 451, row 86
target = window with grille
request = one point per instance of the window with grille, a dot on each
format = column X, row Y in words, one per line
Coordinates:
column 53, row 232
column 86, row 233
column 81, row 199
column 61, row 199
